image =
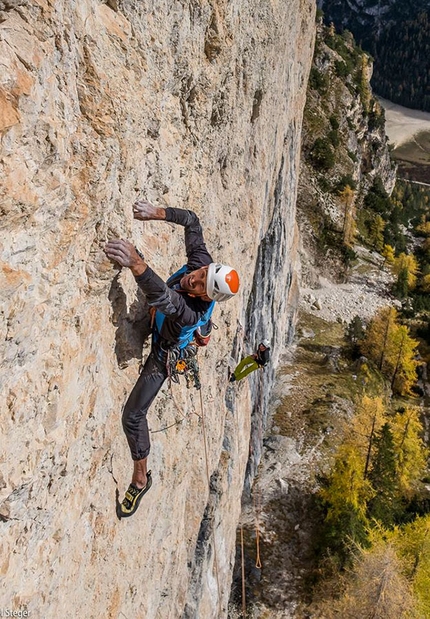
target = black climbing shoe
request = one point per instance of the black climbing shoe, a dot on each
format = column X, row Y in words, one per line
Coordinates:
column 132, row 498
column 231, row 376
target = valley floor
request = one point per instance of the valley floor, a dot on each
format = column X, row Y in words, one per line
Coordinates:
column 310, row 404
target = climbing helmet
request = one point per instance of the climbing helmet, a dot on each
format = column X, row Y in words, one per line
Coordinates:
column 222, row 282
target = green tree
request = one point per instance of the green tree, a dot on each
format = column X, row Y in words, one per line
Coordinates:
column 401, row 288
column 376, row 233
column 355, row 331
column 322, row 154
column 385, row 505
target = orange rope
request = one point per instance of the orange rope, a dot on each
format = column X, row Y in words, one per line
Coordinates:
column 242, row 556
column 257, row 507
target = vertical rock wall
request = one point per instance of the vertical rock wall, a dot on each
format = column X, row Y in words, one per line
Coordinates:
column 191, row 104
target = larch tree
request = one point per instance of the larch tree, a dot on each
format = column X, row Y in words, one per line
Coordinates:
column 379, row 334
column 411, row 453
column 368, row 421
column 389, row 254
column 425, row 283
column 410, row 263
column 345, row 495
column 412, row 545
column 375, row 588
column 402, row 361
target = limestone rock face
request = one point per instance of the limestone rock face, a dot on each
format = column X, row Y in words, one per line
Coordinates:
column 190, row 104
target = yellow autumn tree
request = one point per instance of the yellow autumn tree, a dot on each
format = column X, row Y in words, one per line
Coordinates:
column 347, row 485
column 389, row 254
column 390, row 347
column 424, row 228
column 408, row 263
column 374, row 588
column 412, row 545
column 411, row 453
column 376, row 342
column 425, row 283
column 401, row 360
column 367, row 422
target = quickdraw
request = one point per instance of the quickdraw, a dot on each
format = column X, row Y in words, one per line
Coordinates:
column 184, row 363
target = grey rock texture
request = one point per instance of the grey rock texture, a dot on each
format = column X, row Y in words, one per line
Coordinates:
column 191, row 104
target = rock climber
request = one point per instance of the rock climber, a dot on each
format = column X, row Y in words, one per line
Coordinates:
column 252, row 362
column 182, row 303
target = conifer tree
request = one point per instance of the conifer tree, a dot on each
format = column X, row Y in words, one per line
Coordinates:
column 376, row 235
column 375, row 588
column 412, row 545
column 377, row 340
column 411, row 453
column 385, row 506
column 368, row 421
column 425, row 283
column 402, row 360
column 345, row 495
column 401, row 287
column 389, row 254
column 389, row 346
column 410, row 263
column 355, row 331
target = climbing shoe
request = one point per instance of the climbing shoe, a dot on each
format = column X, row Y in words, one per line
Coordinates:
column 132, row 498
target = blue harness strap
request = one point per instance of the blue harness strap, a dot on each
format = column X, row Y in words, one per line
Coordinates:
column 187, row 333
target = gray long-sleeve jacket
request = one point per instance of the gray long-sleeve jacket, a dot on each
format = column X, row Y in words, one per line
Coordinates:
column 177, row 310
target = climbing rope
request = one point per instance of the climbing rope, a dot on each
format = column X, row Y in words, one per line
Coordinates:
column 242, row 563
column 257, row 509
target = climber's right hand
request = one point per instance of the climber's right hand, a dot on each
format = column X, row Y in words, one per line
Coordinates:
column 125, row 254
column 145, row 211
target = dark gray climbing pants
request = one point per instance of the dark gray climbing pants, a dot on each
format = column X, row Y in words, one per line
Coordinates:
column 134, row 422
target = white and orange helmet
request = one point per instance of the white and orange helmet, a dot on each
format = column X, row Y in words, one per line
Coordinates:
column 222, row 282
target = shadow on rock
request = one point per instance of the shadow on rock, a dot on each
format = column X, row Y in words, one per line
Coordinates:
column 133, row 325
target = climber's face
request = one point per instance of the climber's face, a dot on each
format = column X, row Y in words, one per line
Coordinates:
column 195, row 283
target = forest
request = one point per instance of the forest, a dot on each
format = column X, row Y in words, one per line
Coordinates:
column 397, row 35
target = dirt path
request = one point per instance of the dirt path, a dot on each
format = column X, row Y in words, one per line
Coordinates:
column 402, row 123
